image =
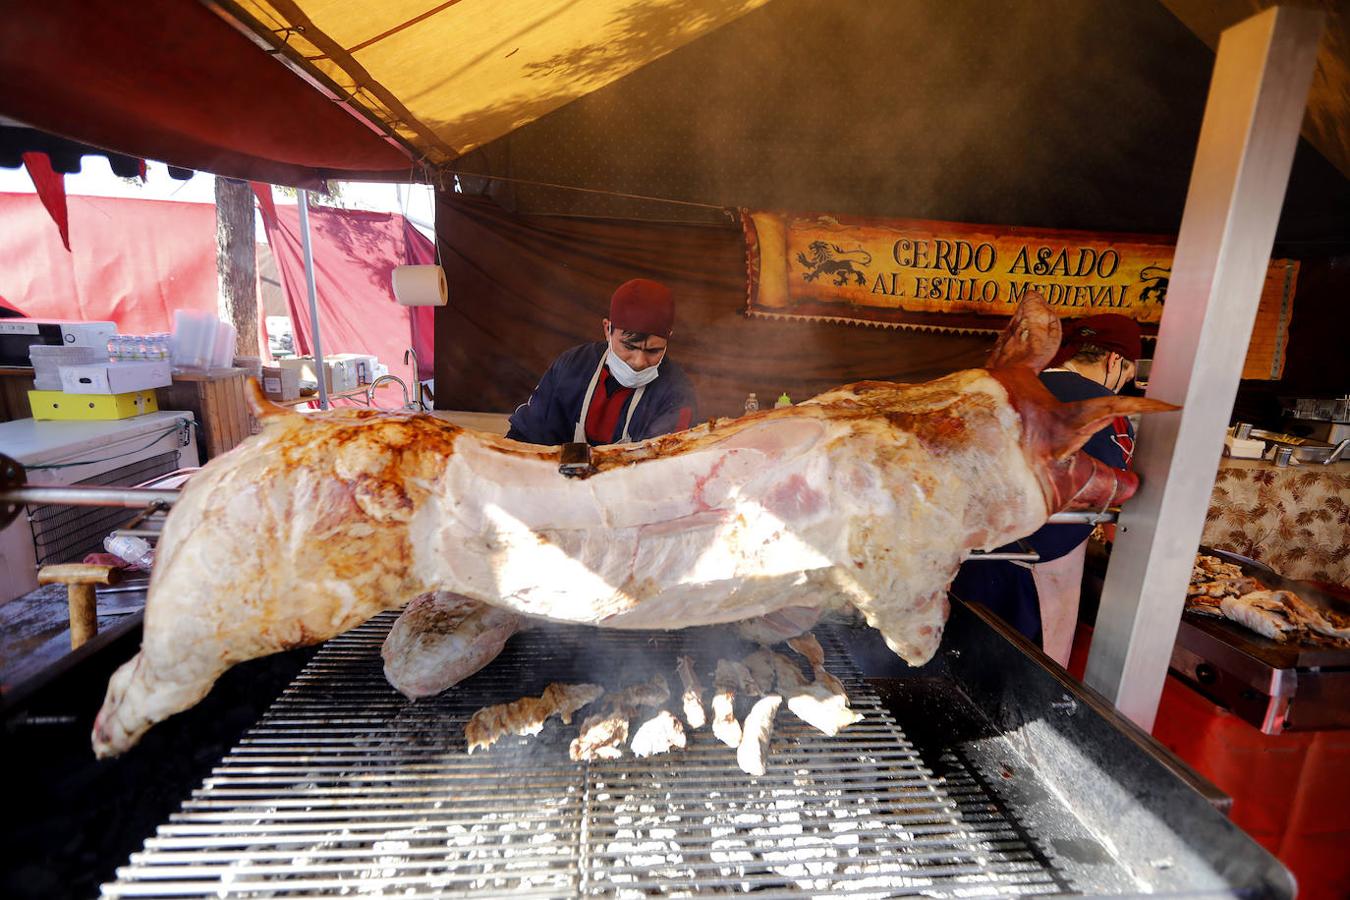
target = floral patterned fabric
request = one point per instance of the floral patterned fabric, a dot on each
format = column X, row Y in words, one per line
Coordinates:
column 1295, row 520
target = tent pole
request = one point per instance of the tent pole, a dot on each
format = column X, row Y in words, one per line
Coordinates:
column 313, row 300
column 1256, row 100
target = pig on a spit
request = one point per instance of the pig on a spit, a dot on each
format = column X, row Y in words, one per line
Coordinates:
column 870, row 495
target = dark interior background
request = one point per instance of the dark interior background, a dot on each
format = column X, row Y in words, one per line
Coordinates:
column 1064, row 114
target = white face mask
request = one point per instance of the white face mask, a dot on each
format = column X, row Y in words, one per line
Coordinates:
column 624, row 374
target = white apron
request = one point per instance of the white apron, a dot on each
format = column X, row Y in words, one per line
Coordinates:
column 579, row 432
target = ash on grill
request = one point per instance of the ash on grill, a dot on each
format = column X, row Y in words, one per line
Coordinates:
column 345, row 786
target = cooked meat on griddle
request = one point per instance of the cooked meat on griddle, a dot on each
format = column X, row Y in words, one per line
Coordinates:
column 659, row 734
column 753, row 753
column 527, row 715
column 691, row 700
column 1265, row 612
column 1220, row 589
column 870, row 495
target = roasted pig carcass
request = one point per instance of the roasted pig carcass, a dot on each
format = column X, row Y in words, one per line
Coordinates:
column 867, row 496
column 441, row 639
column 527, row 715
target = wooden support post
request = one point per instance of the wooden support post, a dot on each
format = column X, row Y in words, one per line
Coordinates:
column 236, row 262
column 79, row 580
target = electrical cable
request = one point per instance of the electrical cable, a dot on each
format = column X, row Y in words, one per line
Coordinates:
column 88, row 462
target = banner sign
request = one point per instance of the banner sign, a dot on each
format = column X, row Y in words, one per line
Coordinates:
column 946, row 276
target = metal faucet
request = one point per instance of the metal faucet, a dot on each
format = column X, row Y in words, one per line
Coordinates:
column 417, row 378
column 370, row 390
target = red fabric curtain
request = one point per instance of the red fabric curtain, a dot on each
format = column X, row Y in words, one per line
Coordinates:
column 51, row 189
column 525, row 288
column 354, row 257
column 132, row 262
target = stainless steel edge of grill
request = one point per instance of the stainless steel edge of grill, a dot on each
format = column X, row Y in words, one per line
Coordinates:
column 345, row 788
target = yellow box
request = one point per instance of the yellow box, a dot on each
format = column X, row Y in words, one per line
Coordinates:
column 58, row 405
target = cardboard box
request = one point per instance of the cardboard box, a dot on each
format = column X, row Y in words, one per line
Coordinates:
column 280, row 383
column 362, row 365
column 116, row 378
column 61, row 406
column 340, row 374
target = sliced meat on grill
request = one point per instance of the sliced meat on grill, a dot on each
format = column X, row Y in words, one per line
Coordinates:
column 868, row 496
column 814, row 702
column 753, row 753
column 604, row 733
column 527, row 715
column 652, row 692
column 730, row 679
column 691, row 699
column 760, row 666
column 602, row 736
column 441, row 639
column 659, row 734
column 809, row 647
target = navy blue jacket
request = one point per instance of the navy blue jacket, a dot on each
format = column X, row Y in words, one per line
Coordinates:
column 550, row 415
column 1008, row 589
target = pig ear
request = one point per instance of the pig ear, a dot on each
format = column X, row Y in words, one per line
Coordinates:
column 1031, row 338
column 1079, row 420
column 263, row 409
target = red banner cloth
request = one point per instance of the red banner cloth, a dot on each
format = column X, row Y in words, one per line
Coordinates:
column 354, row 258
column 51, row 188
column 133, row 262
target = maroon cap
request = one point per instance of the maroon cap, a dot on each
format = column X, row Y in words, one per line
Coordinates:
column 643, row 306
column 1109, row 331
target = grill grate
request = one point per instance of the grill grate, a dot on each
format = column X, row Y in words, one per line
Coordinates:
column 345, row 788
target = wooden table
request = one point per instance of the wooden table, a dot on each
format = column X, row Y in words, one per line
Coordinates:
column 1294, row 519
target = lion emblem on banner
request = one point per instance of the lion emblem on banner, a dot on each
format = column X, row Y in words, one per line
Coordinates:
column 831, row 259
column 1154, row 279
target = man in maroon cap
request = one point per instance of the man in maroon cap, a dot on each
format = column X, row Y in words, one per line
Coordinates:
column 1096, row 358
column 617, row 390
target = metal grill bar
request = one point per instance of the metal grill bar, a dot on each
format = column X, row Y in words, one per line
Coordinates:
column 345, row 787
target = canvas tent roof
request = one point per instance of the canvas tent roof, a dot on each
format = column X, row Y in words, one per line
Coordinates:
column 291, row 91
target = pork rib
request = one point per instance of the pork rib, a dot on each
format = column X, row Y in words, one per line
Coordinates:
column 870, row 495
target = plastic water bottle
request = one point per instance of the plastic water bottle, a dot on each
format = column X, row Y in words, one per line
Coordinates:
column 752, row 403
column 132, row 549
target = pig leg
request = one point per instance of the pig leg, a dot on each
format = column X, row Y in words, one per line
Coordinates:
column 441, row 639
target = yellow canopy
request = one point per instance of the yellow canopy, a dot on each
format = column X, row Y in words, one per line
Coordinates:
column 447, row 77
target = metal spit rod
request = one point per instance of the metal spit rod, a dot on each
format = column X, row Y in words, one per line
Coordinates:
column 134, row 498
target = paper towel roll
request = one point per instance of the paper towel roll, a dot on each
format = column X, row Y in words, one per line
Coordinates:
column 420, row 286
